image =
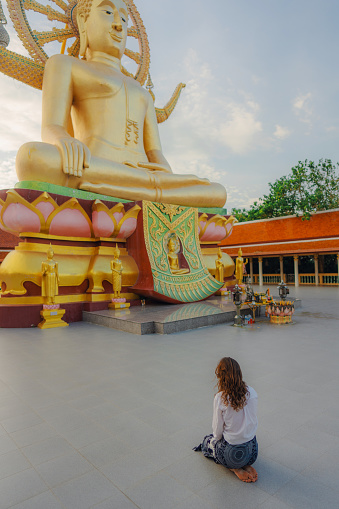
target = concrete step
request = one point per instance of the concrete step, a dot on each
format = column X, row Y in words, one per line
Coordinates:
column 165, row 318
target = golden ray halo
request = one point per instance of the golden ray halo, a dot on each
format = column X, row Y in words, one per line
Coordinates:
column 65, row 12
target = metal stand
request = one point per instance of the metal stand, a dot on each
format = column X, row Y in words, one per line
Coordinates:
column 237, row 318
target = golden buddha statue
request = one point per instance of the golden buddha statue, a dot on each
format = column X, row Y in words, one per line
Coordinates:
column 116, row 268
column 239, row 266
column 111, row 145
column 173, row 247
column 50, row 278
column 219, row 267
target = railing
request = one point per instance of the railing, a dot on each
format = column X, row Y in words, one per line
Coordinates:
column 307, row 279
column 331, row 279
column 270, row 279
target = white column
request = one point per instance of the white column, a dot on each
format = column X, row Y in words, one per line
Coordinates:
column 261, row 279
column 251, row 269
column 296, row 270
column 316, row 270
column 281, row 260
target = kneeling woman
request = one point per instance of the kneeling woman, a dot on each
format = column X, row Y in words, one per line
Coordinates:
column 233, row 442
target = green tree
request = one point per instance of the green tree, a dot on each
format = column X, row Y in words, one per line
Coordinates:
column 308, row 188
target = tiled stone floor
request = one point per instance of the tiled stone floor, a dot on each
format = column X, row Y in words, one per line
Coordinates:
column 98, row 418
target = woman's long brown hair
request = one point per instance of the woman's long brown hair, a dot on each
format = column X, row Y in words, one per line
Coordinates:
column 230, row 383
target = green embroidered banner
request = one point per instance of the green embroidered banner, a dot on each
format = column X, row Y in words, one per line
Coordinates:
column 172, row 243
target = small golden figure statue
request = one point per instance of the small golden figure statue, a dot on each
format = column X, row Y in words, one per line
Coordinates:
column 51, row 313
column 173, row 247
column 220, row 274
column 113, row 146
column 118, row 302
column 50, row 278
column 116, row 268
column 219, row 267
column 239, row 267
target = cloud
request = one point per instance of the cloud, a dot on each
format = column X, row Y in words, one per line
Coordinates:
column 239, row 197
column 210, row 123
column 195, row 163
column 256, row 79
column 240, row 130
column 20, row 113
column 7, row 172
column 302, row 107
column 281, row 132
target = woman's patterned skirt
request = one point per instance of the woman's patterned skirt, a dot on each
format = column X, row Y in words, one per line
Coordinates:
column 231, row 456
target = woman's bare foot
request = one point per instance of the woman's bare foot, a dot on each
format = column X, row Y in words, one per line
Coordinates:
column 252, row 471
column 242, row 474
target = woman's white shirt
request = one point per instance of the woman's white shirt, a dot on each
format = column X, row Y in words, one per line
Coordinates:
column 237, row 427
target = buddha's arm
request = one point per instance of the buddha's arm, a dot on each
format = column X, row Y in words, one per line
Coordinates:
column 157, row 160
column 57, row 97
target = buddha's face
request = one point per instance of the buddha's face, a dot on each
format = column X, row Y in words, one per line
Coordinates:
column 171, row 246
column 106, row 27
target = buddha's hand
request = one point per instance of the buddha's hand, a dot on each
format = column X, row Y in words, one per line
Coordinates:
column 76, row 156
column 155, row 167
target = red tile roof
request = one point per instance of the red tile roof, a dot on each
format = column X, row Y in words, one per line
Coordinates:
column 283, row 235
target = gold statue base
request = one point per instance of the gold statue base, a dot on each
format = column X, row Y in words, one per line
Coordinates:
column 224, row 291
column 118, row 305
column 52, row 318
column 83, row 232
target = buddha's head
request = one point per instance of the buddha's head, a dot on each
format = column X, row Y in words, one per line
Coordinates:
column 102, row 26
column 50, row 253
column 240, row 252
column 116, row 252
column 173, row 244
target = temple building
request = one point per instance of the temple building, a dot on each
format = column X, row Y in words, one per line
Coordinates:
column 299, row 252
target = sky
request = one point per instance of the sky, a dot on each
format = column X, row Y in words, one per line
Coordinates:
column 262, row 85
